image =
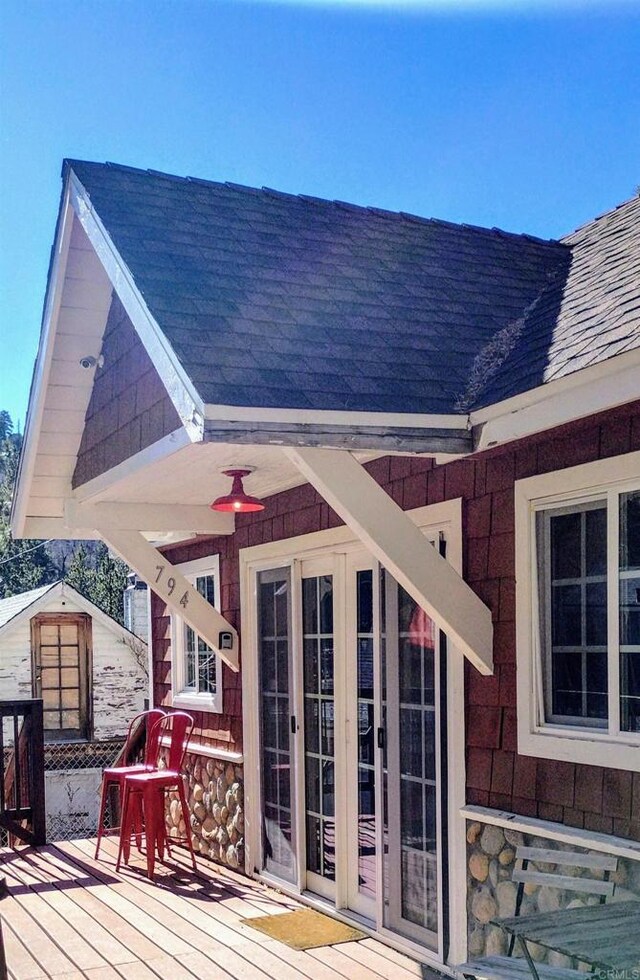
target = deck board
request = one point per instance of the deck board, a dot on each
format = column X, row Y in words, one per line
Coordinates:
column 69, row 917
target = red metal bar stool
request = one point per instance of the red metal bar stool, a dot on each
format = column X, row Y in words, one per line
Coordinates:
column 145, row 721
column 145, row 792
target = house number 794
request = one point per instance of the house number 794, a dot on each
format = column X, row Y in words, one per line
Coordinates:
column 170, row 585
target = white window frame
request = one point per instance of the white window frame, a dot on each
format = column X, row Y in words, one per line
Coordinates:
column 601, row 480
column 181, row 698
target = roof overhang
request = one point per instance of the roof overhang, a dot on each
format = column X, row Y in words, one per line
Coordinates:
column 597, row 388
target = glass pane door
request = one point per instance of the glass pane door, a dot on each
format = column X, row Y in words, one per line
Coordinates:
column 412, row 782
column 274, row 639
column 362, row 896
column 319, row 733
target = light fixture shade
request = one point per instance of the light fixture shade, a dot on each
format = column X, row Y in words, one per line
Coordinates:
column 237, row 502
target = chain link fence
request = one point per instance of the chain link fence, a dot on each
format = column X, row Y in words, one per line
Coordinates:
column 73, row 780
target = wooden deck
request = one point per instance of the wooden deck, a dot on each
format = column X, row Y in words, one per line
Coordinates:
column 70, row 917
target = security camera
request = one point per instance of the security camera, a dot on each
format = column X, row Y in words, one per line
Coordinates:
column 88, row 362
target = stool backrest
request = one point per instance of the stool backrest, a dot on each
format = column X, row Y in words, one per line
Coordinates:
column 139, row 735
column 152, row 745
column 173, row 733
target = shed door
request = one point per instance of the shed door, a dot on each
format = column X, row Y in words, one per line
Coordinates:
column 60, row 647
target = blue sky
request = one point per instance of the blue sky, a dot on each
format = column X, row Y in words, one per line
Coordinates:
column 521, row 115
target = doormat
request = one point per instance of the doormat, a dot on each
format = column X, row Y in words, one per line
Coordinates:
column 305, row 929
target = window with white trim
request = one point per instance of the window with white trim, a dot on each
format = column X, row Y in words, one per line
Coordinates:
column 578, row 612
column 196, row 668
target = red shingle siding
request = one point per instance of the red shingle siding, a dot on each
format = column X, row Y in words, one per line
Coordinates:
column 496, row 776
column 129, row 407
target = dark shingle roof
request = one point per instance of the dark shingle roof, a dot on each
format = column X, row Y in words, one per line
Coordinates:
column 273, row 300
column 585, row 317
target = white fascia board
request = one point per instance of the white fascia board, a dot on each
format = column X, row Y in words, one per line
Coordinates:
column 180, row 595
column 56, row 529
column 393, row 538
column 234, row 413
column 148, row 517
column 593, row 389
column 179, row 386
column 37, row 395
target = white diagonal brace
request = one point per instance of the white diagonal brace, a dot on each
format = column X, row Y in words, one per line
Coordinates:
column 179, row 594
column 392, row 537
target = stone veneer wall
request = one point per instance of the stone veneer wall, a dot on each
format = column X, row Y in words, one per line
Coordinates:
column 216, row 801
column 491, row 852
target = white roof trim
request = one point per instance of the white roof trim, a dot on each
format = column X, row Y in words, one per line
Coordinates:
column 37, row 395
column 179, row 386
column 234, row 413
column 613, row 382
column 62, row 590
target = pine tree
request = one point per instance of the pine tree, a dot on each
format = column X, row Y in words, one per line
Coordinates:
column 24, row 564
column 29, row 564
column 100, row 578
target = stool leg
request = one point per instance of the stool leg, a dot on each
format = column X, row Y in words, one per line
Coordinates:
column 149, row 808
column 103, row 801
column 124, row 845
column 187, row 821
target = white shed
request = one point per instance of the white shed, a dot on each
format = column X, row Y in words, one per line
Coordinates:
column 91, row 674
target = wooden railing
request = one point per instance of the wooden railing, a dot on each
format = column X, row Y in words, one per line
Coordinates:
column 22, row 798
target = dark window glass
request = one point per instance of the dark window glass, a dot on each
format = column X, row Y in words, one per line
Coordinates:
column 596, row 541
column 565, row 546
column 630, row 530
column 365, row 602
column 567, row 615
column 596, row 614
column 573, row 604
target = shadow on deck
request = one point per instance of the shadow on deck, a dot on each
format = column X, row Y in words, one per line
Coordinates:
column 67, row 916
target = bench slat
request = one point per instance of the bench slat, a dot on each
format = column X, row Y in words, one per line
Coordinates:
column 564, row 881
column 603, row 862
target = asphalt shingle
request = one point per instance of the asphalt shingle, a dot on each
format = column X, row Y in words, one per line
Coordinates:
column 273, row 300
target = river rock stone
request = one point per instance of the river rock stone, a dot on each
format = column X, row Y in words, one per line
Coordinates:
column 506, row 857
column 476, row 942
column 473, row 832
column 496, row 942
column 483, row 905
column 492, row 840
column 506, row 893
column 479, row 866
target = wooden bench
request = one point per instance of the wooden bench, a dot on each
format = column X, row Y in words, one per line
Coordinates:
column 513, row 968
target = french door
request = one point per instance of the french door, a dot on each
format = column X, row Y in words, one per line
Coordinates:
column 350, row 741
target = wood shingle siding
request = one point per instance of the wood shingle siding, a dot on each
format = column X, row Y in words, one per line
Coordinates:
column 577, row 795
column 129, row 407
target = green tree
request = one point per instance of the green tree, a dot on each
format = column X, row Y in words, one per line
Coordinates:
column 24, row 564
column 29, row 564
column 100, row 578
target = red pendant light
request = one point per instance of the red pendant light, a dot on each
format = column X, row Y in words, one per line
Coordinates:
column 237, row 502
